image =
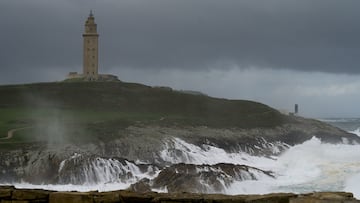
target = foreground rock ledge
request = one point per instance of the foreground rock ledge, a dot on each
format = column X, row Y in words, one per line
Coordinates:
column 10, row 194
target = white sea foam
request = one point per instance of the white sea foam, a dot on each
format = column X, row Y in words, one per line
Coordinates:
column 356, row 132
column 62, row 164
column 80, row 188
column 353, row 184
column 102, row 171
column 179, row 151
column 311, row 166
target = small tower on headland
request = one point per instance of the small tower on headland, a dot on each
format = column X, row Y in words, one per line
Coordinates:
column 91, row 49
column 296, row 110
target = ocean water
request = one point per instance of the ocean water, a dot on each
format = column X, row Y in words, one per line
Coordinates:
column 348, row 124
column 307, row 167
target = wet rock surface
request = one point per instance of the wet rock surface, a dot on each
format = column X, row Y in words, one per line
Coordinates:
column 11, row 194
column 205, row 178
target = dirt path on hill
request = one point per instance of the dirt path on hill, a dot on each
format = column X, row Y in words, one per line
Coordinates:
column 11, row 132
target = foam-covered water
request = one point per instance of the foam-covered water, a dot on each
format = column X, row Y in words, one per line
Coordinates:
column 311, row 166
column 348, row 124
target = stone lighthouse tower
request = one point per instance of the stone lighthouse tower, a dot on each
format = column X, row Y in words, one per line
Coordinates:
column 90, row 57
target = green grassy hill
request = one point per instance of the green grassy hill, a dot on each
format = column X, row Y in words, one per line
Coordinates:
column 102, row 108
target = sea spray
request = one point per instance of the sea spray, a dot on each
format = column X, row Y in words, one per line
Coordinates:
column 80, row 170
column 179, row 151
column 356, row 132
column 314, row 166
column 303, row 168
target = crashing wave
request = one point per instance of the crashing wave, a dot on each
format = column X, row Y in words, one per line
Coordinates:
column 177, row 150
column 356, row 132
column 80, row 169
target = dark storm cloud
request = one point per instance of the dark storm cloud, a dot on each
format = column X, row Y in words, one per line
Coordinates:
column 306, row 35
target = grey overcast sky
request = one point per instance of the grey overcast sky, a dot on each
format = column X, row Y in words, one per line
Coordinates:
column 278, row 52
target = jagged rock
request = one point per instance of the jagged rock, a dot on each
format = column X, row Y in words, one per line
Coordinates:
column 141, row 186
column 204, row 178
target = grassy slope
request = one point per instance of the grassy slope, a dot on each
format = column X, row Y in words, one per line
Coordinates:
column 89, row 110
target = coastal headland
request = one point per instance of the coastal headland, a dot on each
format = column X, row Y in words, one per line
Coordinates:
column 146, row 138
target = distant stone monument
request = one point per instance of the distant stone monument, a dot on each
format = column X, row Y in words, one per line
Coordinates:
column 91, row 55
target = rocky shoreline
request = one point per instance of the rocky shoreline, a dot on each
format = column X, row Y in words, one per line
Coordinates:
column 148, row 149
column 11, row 194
